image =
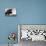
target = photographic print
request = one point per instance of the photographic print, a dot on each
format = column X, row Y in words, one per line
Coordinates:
column 10, row 11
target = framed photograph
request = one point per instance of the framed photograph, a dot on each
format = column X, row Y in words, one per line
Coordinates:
column 31, row 32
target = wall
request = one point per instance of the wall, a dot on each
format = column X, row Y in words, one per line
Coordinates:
column 28, row 12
